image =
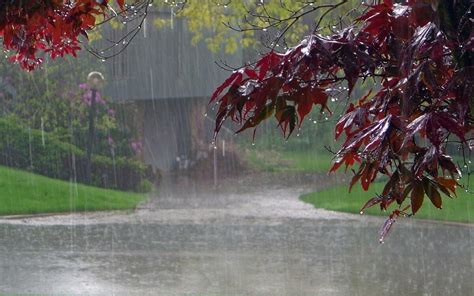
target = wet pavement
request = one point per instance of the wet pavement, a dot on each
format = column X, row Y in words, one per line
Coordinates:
column 249, row 236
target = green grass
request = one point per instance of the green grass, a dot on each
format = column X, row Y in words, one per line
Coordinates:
column 26, row 193
column 460, row 209
column 284, row 161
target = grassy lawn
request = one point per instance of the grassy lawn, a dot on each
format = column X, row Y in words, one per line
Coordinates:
column 284, row 161
column 26, row 193
column 460, row 209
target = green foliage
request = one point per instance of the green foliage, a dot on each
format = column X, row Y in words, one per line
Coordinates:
column 48, row 100
column 44, row 153
column 145, row 186
column 54, row 102
column 27, row 148
column 26, row 193
column 210, row 20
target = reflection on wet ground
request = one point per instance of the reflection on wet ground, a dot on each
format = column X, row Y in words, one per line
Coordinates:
column 250, row 236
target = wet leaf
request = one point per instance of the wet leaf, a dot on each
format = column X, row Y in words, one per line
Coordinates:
column 449, row 184
column 371, row 202
column 432, row 193
column 417, row 195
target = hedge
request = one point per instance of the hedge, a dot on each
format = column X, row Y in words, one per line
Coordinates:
column 45, row 154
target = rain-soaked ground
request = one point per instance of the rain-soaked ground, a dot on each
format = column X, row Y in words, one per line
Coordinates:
column 250, row 236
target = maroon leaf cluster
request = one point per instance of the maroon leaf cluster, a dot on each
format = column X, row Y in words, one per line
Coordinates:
column 421, row 55
column 30, row 28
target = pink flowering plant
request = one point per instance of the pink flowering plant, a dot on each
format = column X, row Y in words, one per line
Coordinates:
column 112, row 136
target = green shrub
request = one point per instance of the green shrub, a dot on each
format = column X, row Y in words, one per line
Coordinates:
column 145, row 186
column 45, row 154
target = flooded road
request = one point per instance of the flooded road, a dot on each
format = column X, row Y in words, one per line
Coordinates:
column 250, row 236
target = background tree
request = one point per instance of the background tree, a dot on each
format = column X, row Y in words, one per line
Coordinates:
column 226, row 25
